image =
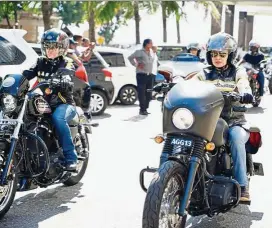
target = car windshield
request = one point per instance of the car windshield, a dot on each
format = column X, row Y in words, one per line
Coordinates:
column 167, row 53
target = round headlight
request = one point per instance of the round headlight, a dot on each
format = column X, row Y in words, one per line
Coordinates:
column 9, row 103
column 183, row 118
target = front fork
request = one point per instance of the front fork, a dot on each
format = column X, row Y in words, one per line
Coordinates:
column 184, row 202
column 14, row 140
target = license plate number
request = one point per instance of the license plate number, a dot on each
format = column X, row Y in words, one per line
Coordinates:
column 182, row 142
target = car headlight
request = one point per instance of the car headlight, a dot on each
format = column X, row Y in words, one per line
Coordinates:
column 9, row 103
column 183, row 118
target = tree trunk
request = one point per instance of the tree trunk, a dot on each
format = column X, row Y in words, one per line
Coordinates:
column 164, row 18
column 137, row 22
column 16, row 18
column 47, row 13
column 178, row 30
column 92, row 25
column 8, row 21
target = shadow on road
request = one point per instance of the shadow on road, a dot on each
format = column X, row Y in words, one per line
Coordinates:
column 239, row 217
column 121, row 106
column 136, row 118
column 28, row 211
column 103, row 116
column 255, row 110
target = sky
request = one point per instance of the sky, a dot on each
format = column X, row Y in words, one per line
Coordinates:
column 197, row 28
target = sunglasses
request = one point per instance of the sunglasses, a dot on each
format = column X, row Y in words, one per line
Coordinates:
column 51, row 45
column 221, row 54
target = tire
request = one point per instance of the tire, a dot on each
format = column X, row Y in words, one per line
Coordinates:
column 128, row 95
column 155, row 193
column 99, row 102
column 10, row 196
column 73, row 180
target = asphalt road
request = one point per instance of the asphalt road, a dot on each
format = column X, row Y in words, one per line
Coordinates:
column 109, row 195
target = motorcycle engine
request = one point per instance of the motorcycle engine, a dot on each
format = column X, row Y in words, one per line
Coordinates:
column 223, row 193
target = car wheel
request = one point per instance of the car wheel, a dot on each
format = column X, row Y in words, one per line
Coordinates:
column 128, row 95
column 99, row 102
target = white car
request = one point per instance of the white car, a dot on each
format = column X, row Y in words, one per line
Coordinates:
column 15, row 53
column 123, row 73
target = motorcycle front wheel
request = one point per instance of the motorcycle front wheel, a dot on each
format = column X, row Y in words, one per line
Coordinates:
column 163, row 197
column 8, row 191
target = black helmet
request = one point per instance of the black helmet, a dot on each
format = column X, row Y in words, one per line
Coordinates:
column 54, row 38
column 220, row 42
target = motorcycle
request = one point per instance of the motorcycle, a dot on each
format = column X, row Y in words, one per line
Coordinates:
column 30, row 155
column 254, row 84
column 197, row 177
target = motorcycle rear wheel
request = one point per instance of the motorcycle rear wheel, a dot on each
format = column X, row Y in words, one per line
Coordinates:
column 74, row 179
column 161, row 204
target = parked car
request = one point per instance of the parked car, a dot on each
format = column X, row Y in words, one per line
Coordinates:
column 36, row 48
column 100, row 79
column 15, row 53
column 123, row 74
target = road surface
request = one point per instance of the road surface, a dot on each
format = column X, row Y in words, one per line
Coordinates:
column 109, row 196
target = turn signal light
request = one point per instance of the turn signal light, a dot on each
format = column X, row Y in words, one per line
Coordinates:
column 47, row 91
column 159, row 139
column 210, row 146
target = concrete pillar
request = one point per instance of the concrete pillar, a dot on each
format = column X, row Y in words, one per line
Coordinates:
column 242, row 29
column 229, row 21
column 216, row 24
column 249, row 28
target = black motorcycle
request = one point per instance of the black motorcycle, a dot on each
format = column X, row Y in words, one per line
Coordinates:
column 30, row 155
column 197, row 177
column 254, row 84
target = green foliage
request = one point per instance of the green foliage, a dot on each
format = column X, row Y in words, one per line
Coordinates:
column 71, row 12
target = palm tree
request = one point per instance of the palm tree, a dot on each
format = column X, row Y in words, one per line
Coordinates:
column 131, row 9
column 173, row 7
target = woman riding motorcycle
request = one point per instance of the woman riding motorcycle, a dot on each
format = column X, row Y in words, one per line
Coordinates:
column 254, row 57
column 54, row 47
column 221, row 51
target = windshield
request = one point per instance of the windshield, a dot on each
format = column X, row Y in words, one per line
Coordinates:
column 167, row 53
column 186, row 58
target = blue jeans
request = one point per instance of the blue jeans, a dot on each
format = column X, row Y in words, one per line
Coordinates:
column 238, row 137
column 61, row 116
column 260, row 79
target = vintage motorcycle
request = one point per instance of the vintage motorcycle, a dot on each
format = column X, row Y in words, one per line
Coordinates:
column 196, row 177
column 30, row 155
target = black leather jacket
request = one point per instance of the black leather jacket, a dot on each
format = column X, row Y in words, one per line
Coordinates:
column 44, row 69
column 227, row 80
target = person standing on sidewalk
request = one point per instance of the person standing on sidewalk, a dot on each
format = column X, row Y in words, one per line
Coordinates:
column 143, row 60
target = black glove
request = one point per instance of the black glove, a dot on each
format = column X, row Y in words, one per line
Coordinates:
column 247, row 99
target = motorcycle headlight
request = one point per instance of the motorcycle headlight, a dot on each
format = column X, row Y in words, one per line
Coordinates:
column 183, row 118
column 8, row 103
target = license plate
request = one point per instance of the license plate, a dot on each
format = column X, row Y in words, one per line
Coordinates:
column 182, row 142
